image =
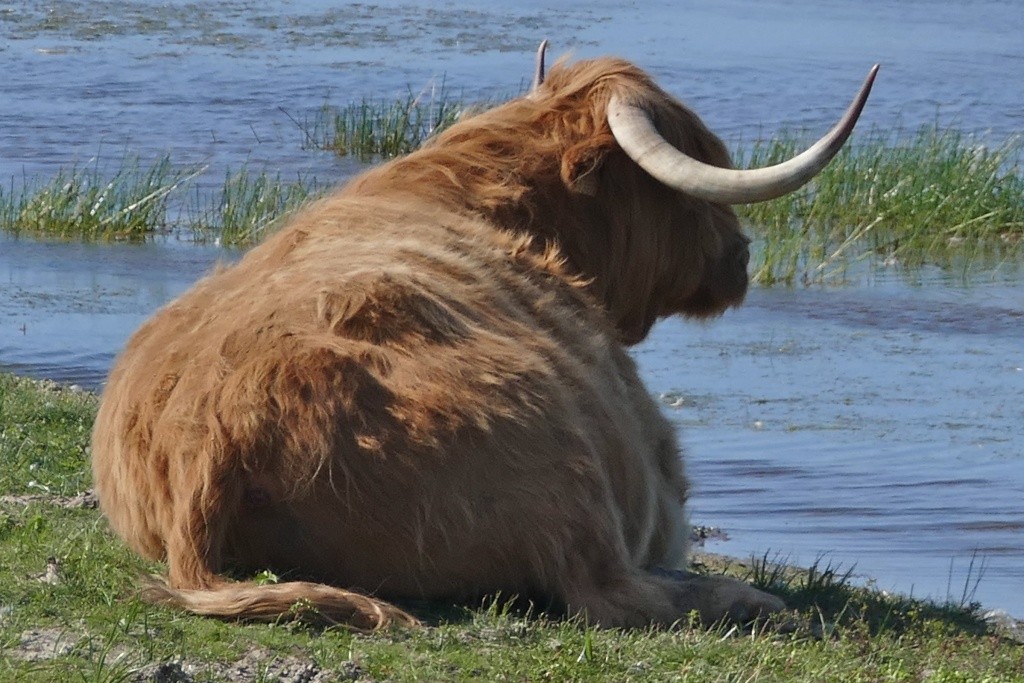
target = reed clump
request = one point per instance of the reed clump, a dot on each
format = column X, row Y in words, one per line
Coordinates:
column 136, row 202
column 87, row 203
column 937, row 196
column 932, row 196
column 381, row 129
column 895, row 198
column 248, row 207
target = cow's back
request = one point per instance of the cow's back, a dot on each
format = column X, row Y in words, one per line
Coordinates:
column 410, row 376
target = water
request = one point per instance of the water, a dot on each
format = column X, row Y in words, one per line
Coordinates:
column 222, row 85
column 879, row 423
column 66, row 309
column 879, row 427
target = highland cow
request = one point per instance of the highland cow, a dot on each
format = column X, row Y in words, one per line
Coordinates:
column 418, row 388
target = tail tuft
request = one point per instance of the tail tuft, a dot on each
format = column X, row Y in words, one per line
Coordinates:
column 293, row 599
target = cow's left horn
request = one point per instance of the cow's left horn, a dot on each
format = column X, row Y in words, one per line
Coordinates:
column 636, row 134
column 538, row 72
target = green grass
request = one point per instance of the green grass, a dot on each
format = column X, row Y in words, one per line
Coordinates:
column 888, row 199
column 934, row 196
column 90, row 204
column 44, row 433
column 382, row 129
column 248, row 207
column 895, row 198
column 136, row 202
column 82, row 622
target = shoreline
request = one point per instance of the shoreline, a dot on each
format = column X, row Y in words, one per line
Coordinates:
column 706, row 561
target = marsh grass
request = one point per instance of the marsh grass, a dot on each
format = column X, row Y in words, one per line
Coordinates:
column 891, row 197
column 933, row 196
column 83, row 622
column 973, row 577
column 383, row 129
column 888, row 199
column 249, row 206
column 90, row 203
column 137, row 202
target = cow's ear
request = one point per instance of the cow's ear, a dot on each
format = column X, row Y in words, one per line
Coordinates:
column 582, row 161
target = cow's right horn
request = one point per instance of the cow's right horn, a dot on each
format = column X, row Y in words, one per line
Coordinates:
column 636, row 134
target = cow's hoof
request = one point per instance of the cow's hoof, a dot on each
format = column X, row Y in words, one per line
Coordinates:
column 721, row 599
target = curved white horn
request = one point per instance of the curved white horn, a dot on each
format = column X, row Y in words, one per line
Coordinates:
column 538, row 74
column 636, row 134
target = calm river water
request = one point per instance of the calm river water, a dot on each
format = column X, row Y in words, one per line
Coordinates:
column 878, row 423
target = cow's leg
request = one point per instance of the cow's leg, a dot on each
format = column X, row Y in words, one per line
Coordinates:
column 202, row 514
column 720, row 598
column 601, row 581
column 618, row 596
column 608, row 592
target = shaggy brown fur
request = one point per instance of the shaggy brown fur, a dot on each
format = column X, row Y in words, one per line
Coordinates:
column 417, row 388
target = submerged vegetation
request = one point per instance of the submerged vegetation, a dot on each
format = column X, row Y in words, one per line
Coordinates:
column 371, row 130
column 137, row 202
column 86, row 203
column 69, row 611
column 930, row 196
column 248, row 207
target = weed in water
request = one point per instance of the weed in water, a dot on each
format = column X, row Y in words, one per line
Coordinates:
column 249, row 207
column 89, row 203
column 972, row 578
column 934, row 196
column 383, row 129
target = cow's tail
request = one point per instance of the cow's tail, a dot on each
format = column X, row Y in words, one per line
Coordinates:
column 270, row 602
column 194, row 551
